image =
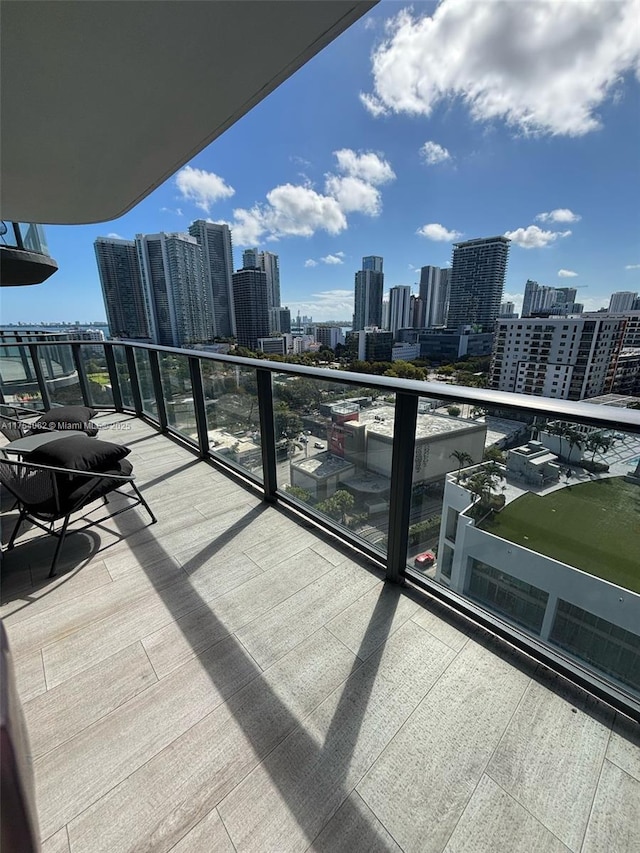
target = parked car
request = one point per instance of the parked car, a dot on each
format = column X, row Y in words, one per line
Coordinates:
column 318, row 445
column 427, row 558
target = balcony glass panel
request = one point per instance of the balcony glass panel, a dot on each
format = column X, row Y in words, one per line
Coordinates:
column 98, row 380
column 149, row 405
column 123, row 376
column 333, row 446
column 599, row 642
column 178, row 397
column 536, row 511
column 233, row 415
column 18, row 378
column 60, row 375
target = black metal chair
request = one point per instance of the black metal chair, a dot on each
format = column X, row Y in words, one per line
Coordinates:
column 46, row 494
column 12, row 426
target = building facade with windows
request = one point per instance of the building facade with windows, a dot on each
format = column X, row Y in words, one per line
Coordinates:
column 369, row 285
column 477, row 281
column 122, row 290
column 399, row 308
column 174, row 288
column 564, row 606
column 251, row 306
column 568, row 358
column 214, row 240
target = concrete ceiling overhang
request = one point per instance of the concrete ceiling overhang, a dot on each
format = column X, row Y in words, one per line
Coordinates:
column 103, row 100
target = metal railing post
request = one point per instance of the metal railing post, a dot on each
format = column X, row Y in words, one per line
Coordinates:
column 404, row 439
column 42, row 385
column 113, row 378
column 82, row 376
column 197, row 391
column 156, row 381
column 267, row 434
column 135, row 381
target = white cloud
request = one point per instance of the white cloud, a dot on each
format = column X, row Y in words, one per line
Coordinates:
column 435, row 231
column 560, row 214
column 331, row 260
column 367, row 166
column 543, row 67
column 295, row 210
column 247, row 226
column 373, row 105
column 632, row 267
column 177, row 211
column 289, row 211
column 433, row 153
column 114, row 236
column 516, row 298
column 201, row 187
column 339, row 254
column 567, row 274
column 325, row 305
column 310, row 263
column 533, row 237
column 354, row 195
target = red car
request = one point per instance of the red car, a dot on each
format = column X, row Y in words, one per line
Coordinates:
column 427, row 558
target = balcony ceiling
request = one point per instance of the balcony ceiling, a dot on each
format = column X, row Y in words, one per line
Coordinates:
column 103, row 101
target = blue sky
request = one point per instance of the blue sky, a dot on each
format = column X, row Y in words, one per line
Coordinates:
column 418, row 126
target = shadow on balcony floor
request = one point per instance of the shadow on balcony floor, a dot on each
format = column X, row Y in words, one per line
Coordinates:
column 228, row 679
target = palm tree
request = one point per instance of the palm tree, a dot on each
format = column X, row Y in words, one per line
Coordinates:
column 462, row 458
column 597, row 441
column 574, row 439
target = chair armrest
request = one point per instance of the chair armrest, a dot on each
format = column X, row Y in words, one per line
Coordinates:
column 34, row 466
column 16, row 409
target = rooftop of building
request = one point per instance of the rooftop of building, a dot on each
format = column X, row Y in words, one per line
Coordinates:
column 621, row 401
column 379, row 419
column 323, row 465
column 231, row 679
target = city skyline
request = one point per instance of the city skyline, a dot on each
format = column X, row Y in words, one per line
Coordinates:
column 382, row 174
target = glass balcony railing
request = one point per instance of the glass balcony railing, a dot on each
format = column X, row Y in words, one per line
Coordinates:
column 522, row 512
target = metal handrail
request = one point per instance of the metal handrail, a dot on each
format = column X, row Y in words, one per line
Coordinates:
column 605, row 417
column 406, row 393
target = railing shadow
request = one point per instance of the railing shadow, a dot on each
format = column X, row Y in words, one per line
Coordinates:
column 262, row 741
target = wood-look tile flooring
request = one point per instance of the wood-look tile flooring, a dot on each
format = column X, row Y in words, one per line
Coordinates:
column 229, row 680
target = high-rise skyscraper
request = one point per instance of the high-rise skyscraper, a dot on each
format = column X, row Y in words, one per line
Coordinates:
column 214, row 240
column 372, row 263
column 442, row 310
column 251, row 306
column 122, row 288
column 369, row 284
column 399, row 308
column 174, row 286
column 477, row 281
column 434, row 284
column 249, row 258
column 280, row 319
column 269, row 264
column 622, row 300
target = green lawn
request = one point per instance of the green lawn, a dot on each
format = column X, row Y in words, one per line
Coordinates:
column 593, row 526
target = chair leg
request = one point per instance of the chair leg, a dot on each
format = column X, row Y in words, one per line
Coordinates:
column 144, row 503
column 21, row 518
column 61, row 535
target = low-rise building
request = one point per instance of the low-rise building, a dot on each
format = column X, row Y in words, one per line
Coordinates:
column 588, row 617
column 533, row 464
column 320, row 475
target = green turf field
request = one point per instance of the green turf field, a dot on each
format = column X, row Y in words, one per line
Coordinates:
column 593, row 526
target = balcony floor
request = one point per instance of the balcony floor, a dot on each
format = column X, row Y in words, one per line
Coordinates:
column 228, row 679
